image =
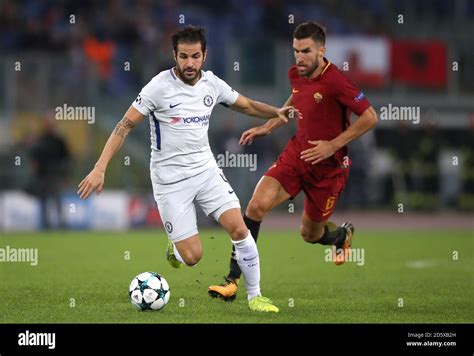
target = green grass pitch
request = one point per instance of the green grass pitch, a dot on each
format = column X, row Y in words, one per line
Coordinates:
column 413, row 268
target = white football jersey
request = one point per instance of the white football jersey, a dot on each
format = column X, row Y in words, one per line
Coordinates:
column 179, row 117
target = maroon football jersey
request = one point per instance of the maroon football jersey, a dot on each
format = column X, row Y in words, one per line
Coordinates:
column 326, row 103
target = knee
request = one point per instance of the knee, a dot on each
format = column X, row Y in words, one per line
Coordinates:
column 256, row 209
column 238, row 232
column 308, row 234
column 191, row 257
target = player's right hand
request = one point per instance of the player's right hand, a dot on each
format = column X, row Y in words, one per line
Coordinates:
column 249, row 135
column 93, row 182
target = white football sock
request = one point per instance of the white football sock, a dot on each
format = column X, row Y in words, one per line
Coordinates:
column 177, row 255
column 249, row 263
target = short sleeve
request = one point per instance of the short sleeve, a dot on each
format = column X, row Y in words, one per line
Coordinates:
column 147, row 100
column 225, row 94
column 350, row 96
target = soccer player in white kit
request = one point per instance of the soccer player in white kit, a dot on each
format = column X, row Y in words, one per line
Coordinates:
column 183, row 170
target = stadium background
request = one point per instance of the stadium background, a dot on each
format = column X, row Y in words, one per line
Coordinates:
column 405, row 176
column 100, row 55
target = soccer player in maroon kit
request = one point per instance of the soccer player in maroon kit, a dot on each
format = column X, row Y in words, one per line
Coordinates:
column 315, row 160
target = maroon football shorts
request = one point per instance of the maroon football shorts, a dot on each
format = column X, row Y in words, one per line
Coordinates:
column 321, row 184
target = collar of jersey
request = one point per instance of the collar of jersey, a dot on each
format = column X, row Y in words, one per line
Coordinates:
column 327, row 66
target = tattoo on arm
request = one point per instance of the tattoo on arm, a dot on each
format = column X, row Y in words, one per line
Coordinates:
column 123, row 127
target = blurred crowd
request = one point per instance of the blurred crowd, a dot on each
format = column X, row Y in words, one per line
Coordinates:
column 111, row 32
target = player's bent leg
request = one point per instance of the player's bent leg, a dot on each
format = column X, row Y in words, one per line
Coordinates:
column 247, row 258
column 321, row 198
column 327, row 233
column 216, row 200
column 178, row 214
column 232, row 221
column 310, row 230
column 187, row 251
column 267, row 194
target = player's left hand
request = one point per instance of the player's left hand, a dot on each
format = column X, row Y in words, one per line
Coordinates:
column 289, row 112
column 94, row 182
column 320, row 151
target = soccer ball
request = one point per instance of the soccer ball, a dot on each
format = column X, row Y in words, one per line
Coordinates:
column 149, row 291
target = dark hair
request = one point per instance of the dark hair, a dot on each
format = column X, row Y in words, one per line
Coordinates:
column 310, row 29
column 189, row 34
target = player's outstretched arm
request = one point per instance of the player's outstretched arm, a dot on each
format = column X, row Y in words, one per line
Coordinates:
column 94, row 181
column 261, row 110
column 324, row 149
column 265, row 129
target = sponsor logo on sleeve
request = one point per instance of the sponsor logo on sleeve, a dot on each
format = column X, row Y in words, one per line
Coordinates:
column 359, row 97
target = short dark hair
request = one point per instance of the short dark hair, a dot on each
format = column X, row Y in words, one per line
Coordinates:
column 310, row 29
column 189, row 34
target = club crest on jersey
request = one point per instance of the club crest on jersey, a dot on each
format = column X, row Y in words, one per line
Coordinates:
column 208, row 100
column 318, row 97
